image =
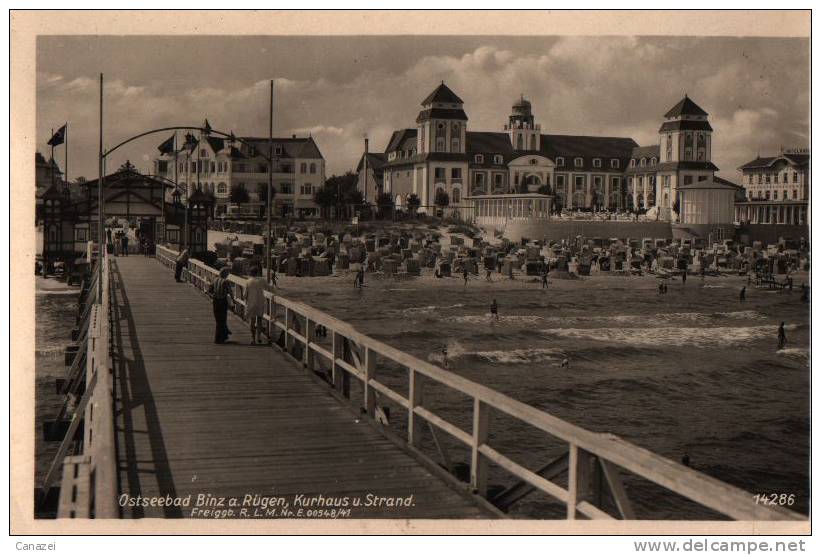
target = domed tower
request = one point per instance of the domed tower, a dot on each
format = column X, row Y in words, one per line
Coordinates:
column 524, row 133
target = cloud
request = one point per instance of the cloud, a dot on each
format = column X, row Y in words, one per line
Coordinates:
column 756, row 90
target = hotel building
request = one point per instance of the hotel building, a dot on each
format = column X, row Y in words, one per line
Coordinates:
column 215, row 165
column 580, row 171
column 776, row 189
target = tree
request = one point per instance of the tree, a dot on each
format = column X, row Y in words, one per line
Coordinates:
column 384, row 202
column 239, row 194
column 337, row 191
column 414, row 203
column 325, row 198
column 544, row 190
column 441, row 199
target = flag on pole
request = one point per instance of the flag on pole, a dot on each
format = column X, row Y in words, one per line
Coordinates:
column 167, row 146
column 59, row 137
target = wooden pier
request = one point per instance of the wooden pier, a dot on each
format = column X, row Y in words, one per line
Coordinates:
column 170, row 415
column 194, row 417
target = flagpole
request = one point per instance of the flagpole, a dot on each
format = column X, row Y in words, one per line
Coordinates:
column 51, row 162
column 270, row 180
column 65, row 169
column 100, row 225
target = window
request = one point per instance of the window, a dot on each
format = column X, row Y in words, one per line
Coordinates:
column 479, row 159
column 750, row 179
column 193, row 167
column 795, row 177
column 203, row 153
column 497, row 159
column 455, row 196
column 785, row 177
column 614, row 163
column 643, row 162
column 313, row 168
column 440, row 144
column 479, row 179
column 578, row 162
column 455, row 144
column 456, row 173
column 306, row 190
column 596, row 162
column 439, row 173
column 632, row 162
column 653, row 161
column 795, row 194
column 560, row 161
column 759, row 179
column 768, row 195
column 579, row 183
column 533, row 161
column 767, row 178
column 285, row 188
column 80, row 235
column 560, row 182
column 278, row 150
column 303, row 168
column 213, row 167
column 784, row 194
column 222, row 189
column 532, row 142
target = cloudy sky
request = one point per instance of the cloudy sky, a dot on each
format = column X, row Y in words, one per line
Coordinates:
column 341, row 88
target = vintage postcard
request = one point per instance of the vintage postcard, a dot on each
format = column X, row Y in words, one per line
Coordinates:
column 298, row 272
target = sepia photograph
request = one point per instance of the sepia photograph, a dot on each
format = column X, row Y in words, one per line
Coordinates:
column 314, row 280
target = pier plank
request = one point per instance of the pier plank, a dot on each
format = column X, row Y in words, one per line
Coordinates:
column 229, row 420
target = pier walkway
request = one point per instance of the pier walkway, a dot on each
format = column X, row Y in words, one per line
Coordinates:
column 193, row 417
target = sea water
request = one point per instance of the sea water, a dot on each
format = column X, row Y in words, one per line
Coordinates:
column 694, row 372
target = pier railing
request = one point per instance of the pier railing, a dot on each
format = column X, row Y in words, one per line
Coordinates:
column 88, row 488
column 593, row 462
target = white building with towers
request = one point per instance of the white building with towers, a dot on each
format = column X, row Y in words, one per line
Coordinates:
column 580, row 171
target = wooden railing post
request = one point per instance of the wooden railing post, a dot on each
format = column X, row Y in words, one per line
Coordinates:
column 308, row 355
column 414, row 400
column 289, row 341
column 370, row 371
column 478, row 464
column 578, row 479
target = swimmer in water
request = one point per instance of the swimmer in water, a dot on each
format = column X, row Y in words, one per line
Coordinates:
column 445, row 356
column 782, row 336
column 566, row 363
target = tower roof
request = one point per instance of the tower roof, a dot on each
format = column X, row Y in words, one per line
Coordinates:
column 522, row 103
column 685, row 107
column 442, row 94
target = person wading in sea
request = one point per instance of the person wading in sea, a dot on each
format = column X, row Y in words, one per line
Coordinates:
column 465, row 275
column 445, row 356
column 782, row 336
column 220, row 293
column 743, row 295
column 487, row 275
column 544, row 280
column 494, row 310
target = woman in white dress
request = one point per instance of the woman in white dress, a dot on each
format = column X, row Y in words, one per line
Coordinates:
column 255, row 303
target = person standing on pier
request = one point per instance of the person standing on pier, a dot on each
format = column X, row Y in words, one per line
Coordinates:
column 255, row 303
column 125, row 244
column 220, row 293
column 782, row 336
column 180, row 263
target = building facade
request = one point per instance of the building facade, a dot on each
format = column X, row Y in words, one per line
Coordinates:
column 581, row 172
column 217, row 165
column 776, row 189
